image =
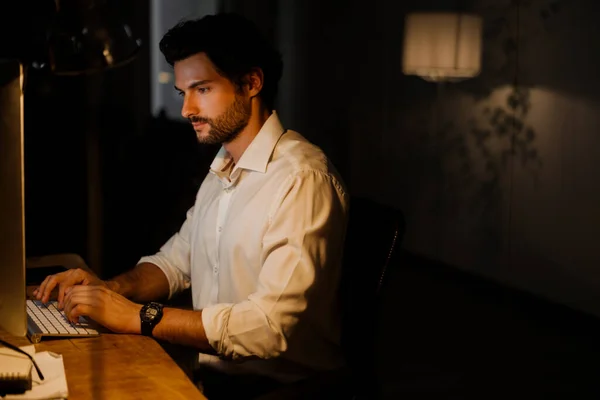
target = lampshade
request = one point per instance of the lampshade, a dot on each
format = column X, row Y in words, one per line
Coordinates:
column 88, row 36
column 442, row 46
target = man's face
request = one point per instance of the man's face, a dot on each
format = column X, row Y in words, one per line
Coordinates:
column 212, row 103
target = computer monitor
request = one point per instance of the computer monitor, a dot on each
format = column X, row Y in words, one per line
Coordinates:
column 13, row 316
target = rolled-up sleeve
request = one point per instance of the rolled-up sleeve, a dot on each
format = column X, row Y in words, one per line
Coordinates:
column 173, row 258
column 300, row 257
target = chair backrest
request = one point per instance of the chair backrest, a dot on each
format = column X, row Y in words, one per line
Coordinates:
column 373, row 238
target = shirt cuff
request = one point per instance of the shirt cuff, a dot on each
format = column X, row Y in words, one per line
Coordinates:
column 215, row 319
column 175, row 277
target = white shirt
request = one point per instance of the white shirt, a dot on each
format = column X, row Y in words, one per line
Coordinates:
column 262, row 249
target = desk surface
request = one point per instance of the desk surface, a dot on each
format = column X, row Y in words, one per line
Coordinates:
column 115, row 366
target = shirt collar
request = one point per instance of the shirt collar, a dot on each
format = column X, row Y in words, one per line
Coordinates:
column 257, row 155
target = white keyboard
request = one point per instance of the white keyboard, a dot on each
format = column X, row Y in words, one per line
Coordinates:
column 50, row 321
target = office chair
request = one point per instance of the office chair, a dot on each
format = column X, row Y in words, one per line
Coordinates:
column 373, row 238
column 375, row 232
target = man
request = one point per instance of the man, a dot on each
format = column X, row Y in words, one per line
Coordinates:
column 261, row 248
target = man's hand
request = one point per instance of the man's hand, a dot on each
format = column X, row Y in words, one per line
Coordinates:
column 104, row 306
column 65, row 280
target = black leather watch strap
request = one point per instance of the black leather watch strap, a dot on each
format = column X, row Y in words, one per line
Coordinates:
column 150, row 315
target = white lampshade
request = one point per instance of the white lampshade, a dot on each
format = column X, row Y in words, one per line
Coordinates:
column 442, row 46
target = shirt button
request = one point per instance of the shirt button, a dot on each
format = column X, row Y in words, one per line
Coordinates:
column 215, row 270
column 220, row 229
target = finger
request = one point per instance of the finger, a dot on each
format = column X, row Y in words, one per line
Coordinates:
column 40, row 289
column 80, row 310
column 72, row 300
column 51, row 282
column 71, row 277
column 79, row 294
column 69, row 280
column 61, row 294
column 67, row 305
column 75, row 289
column 93, row 297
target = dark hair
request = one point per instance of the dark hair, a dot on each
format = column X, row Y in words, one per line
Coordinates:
column 233, row 44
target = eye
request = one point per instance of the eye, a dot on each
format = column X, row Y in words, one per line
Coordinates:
column 203, row 90
column 180, row 94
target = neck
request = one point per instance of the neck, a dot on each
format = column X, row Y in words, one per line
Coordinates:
column 241, row 142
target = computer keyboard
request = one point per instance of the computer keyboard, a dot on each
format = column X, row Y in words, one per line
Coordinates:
column 50, row 321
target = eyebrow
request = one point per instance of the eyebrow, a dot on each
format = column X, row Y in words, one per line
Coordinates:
column 194, row 84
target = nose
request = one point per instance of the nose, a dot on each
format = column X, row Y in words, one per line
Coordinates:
column 189, row 107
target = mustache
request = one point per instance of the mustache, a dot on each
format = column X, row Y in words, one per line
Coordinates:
column 196, row 118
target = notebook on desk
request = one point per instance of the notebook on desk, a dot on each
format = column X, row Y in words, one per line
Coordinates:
column 15, row 372
column 52, row 387
column 18, row 316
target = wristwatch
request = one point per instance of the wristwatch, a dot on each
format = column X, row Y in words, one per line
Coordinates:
column 150, row 315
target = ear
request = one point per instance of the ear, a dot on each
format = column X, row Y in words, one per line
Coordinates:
column 254, row 82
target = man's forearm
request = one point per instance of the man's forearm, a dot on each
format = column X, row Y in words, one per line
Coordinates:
column 183, row 327
column 145, row 282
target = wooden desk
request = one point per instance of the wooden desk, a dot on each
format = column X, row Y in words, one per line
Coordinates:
column 115, row 366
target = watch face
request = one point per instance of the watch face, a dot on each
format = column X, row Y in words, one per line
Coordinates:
column 149, row 314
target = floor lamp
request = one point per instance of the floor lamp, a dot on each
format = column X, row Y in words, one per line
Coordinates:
column 442, row 47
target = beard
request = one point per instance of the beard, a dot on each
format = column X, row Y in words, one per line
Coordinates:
column 228, row 125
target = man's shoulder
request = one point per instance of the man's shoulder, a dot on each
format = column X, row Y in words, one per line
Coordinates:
column 297, row 154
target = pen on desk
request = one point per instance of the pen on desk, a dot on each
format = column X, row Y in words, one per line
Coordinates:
column 15, row 348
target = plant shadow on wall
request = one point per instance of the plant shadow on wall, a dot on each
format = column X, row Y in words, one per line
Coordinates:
column 472, row 154
column 502, row 138
column 469, row 164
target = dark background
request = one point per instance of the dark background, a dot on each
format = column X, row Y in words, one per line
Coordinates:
column 498, row 288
